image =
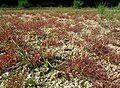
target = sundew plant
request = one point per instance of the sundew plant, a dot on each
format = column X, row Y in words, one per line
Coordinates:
column 60, row 47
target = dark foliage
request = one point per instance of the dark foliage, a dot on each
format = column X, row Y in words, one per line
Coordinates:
column 65, row 3
column 95, row 3
column 9, row 2
column 51, row 2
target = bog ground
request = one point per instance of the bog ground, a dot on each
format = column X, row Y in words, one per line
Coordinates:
column 60, row 48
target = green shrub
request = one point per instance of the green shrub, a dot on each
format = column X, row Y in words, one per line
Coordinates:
column 23, row 3
column 77, row 4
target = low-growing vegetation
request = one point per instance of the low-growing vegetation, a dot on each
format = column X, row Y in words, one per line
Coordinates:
column 60, row 48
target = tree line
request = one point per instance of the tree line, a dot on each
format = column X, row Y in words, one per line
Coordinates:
column 55, row 3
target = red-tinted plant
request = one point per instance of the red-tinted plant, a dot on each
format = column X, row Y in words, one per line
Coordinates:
column 15, row 81
column 87, row 67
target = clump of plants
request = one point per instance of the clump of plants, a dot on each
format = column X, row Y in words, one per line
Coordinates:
column 77, row 3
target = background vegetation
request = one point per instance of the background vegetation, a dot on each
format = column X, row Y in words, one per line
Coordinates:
column 56, row 3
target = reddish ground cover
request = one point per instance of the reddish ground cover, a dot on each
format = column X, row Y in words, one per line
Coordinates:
column 78, row 43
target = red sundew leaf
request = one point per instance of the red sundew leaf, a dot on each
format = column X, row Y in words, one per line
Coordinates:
column 114, row 58
column 5, row 58
column 76, row 29
column 35, row 61
column 8, row 34
column 59, row 44
column 3, row 36
column 114, row 84
column 40, row 32
column 28, row 49
column 58, row 25
column 60, row 33
column 69, row 29
column 87, row 67
column 1, row 64
column 50, row 55
column 26, row 26
column 41, row 24
column 44, row 43
column 51, row 41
